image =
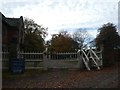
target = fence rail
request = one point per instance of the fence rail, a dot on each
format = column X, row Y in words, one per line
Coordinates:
column 62, row 56
column 36, row 60
column 31, row 56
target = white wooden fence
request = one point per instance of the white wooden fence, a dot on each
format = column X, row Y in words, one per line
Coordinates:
column 36, row 60
column 92, row 58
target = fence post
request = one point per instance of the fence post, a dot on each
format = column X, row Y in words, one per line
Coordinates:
column 79, row 56
column 45, row 61
column 102, row 54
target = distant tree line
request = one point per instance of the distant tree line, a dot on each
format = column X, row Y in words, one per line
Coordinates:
column 65, row 42
column 34, row 40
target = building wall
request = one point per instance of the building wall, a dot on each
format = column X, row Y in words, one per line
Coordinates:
column 4, row 35
column 12, row 32
column 7, row 34
column 12, row 28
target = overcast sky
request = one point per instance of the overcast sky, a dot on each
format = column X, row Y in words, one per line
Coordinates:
column 64, row 14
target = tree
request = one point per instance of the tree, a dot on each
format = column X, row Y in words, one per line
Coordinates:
column 109, row 38
column 108, row 35
column 62, row 42
column 31, row 27
column 81, row 37
column 34, row 36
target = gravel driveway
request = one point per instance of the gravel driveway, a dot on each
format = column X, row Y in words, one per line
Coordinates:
column 104, row 78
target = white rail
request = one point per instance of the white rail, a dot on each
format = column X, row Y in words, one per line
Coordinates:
column 89, row 55
column 95, row 54
column 35, row 60
column 86, row 64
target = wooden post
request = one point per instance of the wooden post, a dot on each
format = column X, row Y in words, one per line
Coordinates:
column 45, row 60
column 84, row 60
column 80, row 62
column 101, row 54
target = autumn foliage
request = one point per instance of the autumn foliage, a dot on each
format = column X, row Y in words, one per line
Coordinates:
column 62, row 42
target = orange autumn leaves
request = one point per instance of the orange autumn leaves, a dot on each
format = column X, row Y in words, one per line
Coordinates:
column 61, row 43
